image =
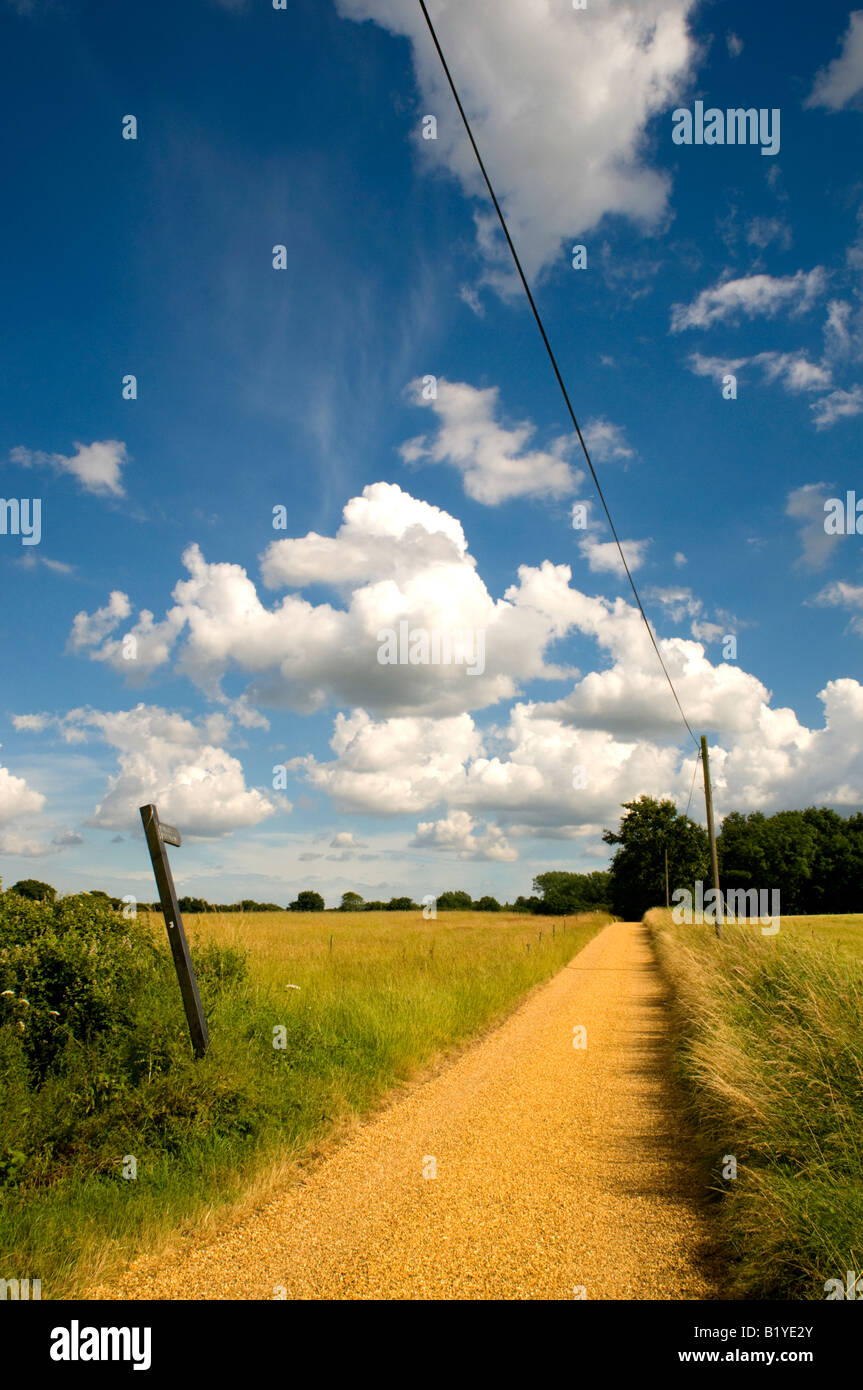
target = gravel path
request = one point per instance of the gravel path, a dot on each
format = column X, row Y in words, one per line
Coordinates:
column 558, row 1169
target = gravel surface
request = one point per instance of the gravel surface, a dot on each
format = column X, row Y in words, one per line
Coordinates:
column 562, row 1171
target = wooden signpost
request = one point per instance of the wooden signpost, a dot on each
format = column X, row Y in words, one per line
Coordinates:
column 158, row 836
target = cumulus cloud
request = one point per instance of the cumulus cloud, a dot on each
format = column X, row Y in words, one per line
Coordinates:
column 841, row 81
column 394, row 766
column 20, row 804
column 603, row 557
column 750, row 296
column 91, row 629
column 346, row 839
column 557, row 771
column 397, row 560
column 780, row 763
column 549, row 90
column 460, row 833
column 495, row 461
column 16, row 798
column 97, row 466
column 175, row 762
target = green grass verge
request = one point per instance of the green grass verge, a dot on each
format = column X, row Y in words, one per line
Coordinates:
column 769, row 1048
column 95, row 1063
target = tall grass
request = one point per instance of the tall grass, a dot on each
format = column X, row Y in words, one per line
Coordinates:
column 770, row 1050
column 378, row 999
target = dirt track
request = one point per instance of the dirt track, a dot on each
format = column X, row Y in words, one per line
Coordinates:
column 557, row 1169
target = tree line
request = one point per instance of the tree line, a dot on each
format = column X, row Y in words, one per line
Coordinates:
column 814, row 857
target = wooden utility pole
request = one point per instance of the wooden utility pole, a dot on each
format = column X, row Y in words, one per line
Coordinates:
column 159, row 835
column 667, row 894
column 711, row 831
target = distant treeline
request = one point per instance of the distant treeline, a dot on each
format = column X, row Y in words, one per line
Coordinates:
column 559, row 893
column 814, row 857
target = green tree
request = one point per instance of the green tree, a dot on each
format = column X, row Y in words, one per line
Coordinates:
column 637, row 873
column 455, row 901
column 351, row 902
column 487, row 904
column 33, row 889
column 308, row 901
column 564, row 893
column 193, row 905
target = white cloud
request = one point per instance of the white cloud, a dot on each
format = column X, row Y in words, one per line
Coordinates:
column 750, row 296
column 31, row 723
column 458, row 832
column 96, row 466
column 843, row 595
column 839, row 405
column 678, row 603
column 792, row 370
column 346, row 839
column 20, row 804
column 173, row 762
column 603, row 557
column 806, row 506
column 796, row 373
column 91, row 629
column 394, row 766
column 846, row 595
column 734, row 44
column 606, row 442
column 398, row 560
column 842, row 80
column 494, row 460
column 548, row 90
column 16, row 798
column 838, row 338
column 780, row 763
column 765, row 759
column 32, row 562
column 761, row 231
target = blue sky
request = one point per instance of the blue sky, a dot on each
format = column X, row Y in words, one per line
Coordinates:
column 255, row 648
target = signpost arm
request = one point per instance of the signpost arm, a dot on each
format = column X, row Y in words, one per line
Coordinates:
column 157, row 836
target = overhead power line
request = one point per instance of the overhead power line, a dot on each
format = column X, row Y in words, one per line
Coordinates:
column 692, row 786
column 552, row 358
